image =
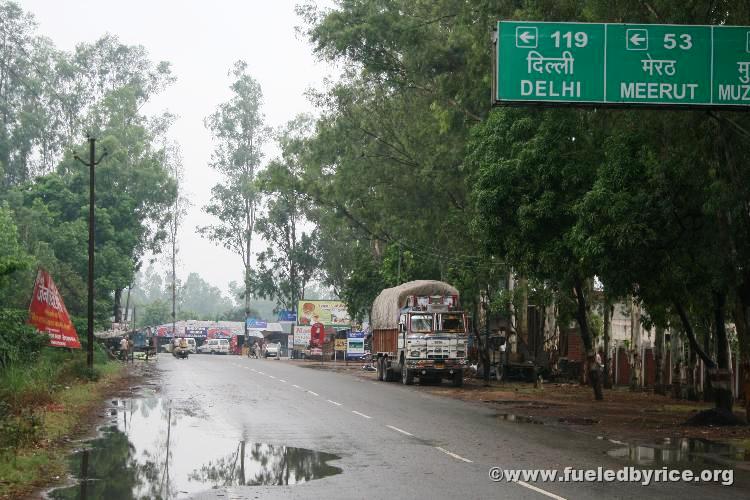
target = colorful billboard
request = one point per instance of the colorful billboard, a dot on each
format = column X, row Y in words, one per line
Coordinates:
column 196, row 332
column 355, row 345
column 287, row 316
column 302, row 336
column 256, row 323
column 219, row 333
column 164, row 331
column 48, row 314
column 325, row 312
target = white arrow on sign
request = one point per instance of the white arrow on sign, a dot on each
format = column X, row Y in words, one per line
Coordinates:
column 527, row 37
column 637, row 39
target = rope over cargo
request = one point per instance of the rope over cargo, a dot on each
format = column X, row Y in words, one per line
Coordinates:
column 385, row 309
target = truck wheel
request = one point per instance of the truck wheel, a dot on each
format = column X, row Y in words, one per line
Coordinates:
column 381, row 369
column 458, row 379
column 407, row 377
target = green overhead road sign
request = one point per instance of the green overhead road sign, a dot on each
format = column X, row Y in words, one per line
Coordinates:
column 621, row 64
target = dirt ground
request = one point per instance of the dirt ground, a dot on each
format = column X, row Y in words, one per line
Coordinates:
column 623, row 415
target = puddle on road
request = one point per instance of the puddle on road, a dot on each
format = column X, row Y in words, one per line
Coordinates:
column 520, row 419
column 681, row 451
column 152, row 450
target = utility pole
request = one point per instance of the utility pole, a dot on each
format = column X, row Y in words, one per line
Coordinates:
column 92, row 203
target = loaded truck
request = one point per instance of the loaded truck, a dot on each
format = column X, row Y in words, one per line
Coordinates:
column 419, row 331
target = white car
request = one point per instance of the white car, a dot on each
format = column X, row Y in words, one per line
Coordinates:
column 273, row 350
column 215, row 346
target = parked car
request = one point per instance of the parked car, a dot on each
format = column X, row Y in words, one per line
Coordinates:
column 215, row 346
column 273, row 350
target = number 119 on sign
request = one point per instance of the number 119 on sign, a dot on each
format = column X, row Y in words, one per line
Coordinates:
column 568, row 39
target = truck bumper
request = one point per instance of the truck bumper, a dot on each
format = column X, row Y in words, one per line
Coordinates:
column 447, row 368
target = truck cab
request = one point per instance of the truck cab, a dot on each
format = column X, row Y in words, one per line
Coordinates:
column 430, row 342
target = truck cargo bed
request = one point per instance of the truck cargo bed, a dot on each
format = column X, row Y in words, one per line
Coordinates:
column 385, row 340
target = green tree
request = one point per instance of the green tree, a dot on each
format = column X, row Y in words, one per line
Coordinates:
column 531, row 170
column 155, row 313
column 238, row 127
column 201, row 298
column 290, row 259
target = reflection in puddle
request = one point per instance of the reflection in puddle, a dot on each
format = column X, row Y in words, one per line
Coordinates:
column 144, row 457
column 682, row 450
column 510, row 417
column 264, row 464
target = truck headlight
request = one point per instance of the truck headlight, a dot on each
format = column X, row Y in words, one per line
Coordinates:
column 414, row 354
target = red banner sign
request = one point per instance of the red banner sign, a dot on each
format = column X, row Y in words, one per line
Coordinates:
column 317, row 335
column 48, row 314
column 219, row 333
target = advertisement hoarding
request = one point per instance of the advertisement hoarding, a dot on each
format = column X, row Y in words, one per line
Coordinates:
column 355, row 345
column 325, row 312
column 302, row 336
column 256, row 323
column 196, row 332
column 48, row 314
column 287, row 316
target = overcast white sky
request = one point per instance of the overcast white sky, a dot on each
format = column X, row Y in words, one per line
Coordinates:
column 201, row 39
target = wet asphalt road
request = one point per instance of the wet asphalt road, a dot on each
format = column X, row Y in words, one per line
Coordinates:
column 394, row 441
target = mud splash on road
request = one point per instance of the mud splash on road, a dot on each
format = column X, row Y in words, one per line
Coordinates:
column 155, row 448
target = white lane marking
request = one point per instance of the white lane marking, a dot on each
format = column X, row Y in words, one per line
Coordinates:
column 253, row 370
column 449, row 453
column 296, row 386
column 361, row 414
column 333, row 402
column 539, row 490
column 399, row 430
column 272, row 376
column 313, row 393
column 282, row 380
column 261, row 373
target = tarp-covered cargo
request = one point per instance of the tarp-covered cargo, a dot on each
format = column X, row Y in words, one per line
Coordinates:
column 385, row 309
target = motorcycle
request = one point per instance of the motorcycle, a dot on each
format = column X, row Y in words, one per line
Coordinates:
column 180, row 352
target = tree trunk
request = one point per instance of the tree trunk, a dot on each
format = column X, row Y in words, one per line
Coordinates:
column 636, row 382
column 708, row 348
column 484, row 348
column 594, row 371
column 117, row 306
column 127, row 304
column 675, row 344
column 608, row 312
column 691, row 371
column 659, row 361
column 722, row 378
column 742, row 323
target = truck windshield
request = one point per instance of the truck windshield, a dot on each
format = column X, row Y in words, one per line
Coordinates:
column 421, row 323
column 453, row 323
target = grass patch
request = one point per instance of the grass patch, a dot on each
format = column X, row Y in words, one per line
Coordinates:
column 41, row 403
column 686, row 408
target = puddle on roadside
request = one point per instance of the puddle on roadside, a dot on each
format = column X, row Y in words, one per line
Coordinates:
column 152, row 450
column 519, row 419
column 681, row 451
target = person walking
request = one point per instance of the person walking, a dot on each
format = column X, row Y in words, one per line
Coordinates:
column 124, row 348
